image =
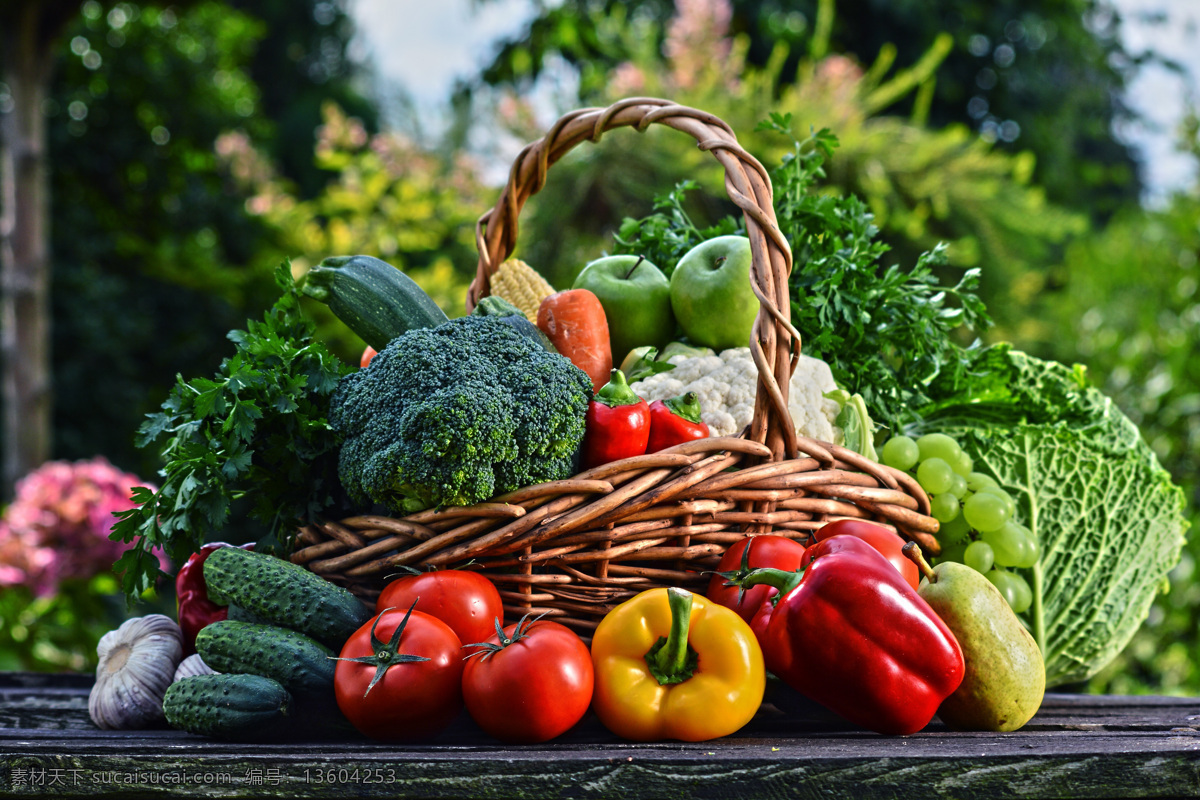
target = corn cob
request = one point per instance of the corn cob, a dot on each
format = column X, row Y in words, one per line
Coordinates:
column 518, row 283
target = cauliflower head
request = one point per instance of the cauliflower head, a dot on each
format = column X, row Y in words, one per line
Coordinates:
column 726, row 384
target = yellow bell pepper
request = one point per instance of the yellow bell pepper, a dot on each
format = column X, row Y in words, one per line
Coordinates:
column 672, row 665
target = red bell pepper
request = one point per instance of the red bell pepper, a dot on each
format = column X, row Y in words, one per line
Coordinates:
column 674, row 421
column 618, row 423
column 193, row 608
column 850, row 633
column 885, row 540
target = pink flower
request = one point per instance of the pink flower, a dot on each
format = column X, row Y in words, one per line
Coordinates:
column 628, row 80
column 57, row 526
column 697, row 39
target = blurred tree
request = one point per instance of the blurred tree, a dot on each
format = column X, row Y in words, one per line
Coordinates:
column 155, row 254
column 300, row 63
column 1044, row 77
column 140, row 95
column 29, row 32
column 923, row 185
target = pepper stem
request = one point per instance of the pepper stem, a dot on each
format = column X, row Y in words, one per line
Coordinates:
column 671, row 659
column 913, row 552
column 686, row 405
column 617, row 392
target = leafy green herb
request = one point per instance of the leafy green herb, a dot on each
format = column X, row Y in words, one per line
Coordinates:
column 885, row 332
column 256, row 430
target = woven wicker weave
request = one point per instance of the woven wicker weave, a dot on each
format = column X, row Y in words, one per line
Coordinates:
column 573, row 549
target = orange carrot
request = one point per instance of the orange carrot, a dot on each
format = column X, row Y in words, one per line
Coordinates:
column 574, row 322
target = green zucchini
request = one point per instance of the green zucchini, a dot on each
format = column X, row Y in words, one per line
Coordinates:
column 285, row 594
column 297, row 662
column 492, row 306
column 248, row 708
column 374, row 299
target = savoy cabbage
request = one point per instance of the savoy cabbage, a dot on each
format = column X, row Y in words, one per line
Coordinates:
column 1108, row 517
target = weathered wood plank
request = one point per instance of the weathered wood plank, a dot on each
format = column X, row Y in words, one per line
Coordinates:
column 1077, row 746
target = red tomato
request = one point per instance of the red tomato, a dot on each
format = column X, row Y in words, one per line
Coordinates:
column 400, row 677
column 531, row 685
column 767, row 550
column 367, row 355
column 882, row 539
column 466, row 601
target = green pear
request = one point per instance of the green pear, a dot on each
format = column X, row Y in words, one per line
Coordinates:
column 1005, row 675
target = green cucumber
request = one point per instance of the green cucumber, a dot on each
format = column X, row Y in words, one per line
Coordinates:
column 281, row 593
column 239, row 614
column 374, row 299
column 248, row 708
column 297, row 662
column 492, row 306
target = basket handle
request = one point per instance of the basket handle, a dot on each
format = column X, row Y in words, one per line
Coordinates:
column 774, row 342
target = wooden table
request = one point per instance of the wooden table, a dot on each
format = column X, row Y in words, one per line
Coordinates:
column 1077, row 746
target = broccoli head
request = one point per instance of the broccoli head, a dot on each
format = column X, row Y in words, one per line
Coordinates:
column 455, row 414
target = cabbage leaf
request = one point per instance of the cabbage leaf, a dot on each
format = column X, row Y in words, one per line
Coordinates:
column 1108, row 517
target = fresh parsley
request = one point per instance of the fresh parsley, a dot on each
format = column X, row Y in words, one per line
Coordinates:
column 885, row 332
column 256, row 430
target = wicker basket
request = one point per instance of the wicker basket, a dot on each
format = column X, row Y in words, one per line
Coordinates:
column 574, row 549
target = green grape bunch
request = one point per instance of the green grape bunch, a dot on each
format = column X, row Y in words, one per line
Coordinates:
column 976, row 515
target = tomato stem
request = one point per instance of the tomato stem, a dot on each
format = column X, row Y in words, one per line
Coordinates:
column 735, row 577
column 488, row 648
column 385, row 654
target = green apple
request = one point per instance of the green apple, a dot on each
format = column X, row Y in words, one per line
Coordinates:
column 711, row 294
column 637, row 301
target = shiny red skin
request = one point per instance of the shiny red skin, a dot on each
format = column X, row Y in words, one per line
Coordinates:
column 532, row 690
column 193, row 608
column 615, row 432
column 466, row 601
column 855, row 637
column 367, row 354
column 411, row 701
column 885, row 540
column 767, row 550
column 668, row 429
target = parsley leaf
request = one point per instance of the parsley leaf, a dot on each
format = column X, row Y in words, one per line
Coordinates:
column 256, row 429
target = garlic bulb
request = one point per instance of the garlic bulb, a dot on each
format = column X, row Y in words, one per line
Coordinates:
column 137, row 662
column 191, row 666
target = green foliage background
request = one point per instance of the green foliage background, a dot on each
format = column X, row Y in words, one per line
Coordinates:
column 193, row 150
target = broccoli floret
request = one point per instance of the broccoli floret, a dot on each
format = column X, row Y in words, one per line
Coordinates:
column 548, row 443
column 455, row 414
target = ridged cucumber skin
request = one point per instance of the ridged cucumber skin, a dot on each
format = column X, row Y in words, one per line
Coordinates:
column 374, row 299
column 300, row 664
column 245, row 708
column 239, row 614
column 281, row 593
